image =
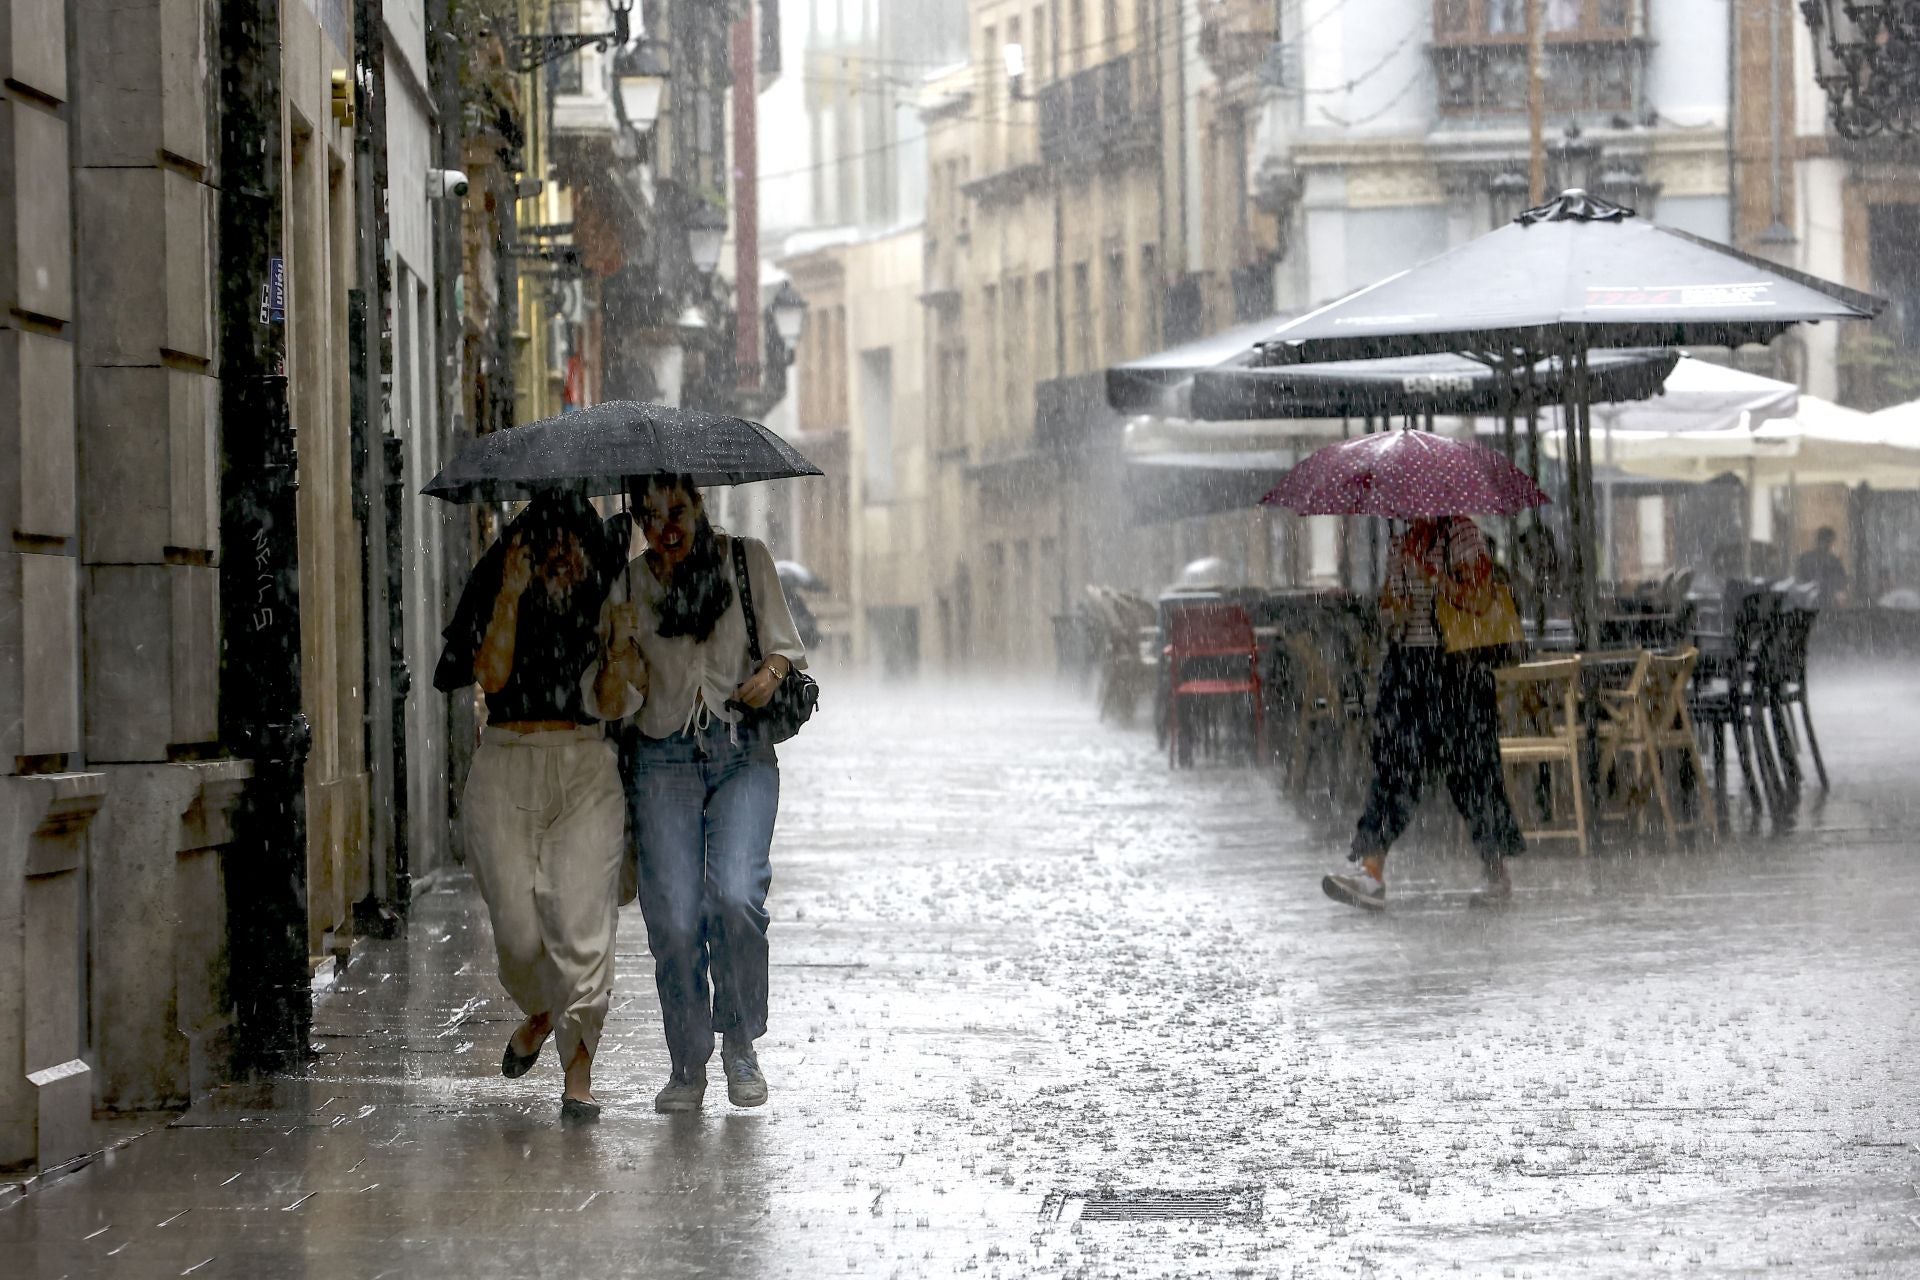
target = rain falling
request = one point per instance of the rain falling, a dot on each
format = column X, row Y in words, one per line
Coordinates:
column 1063, row 638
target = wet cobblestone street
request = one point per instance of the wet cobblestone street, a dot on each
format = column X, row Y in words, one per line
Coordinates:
column 1023, row 973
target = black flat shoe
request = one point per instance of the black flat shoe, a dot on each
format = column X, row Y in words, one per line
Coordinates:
column 578, row 1112
column 513, row 1066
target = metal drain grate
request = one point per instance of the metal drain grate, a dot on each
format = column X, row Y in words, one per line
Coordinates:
column 1233, row 1204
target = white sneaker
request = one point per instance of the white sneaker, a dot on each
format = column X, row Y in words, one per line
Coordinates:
column 1357, row 887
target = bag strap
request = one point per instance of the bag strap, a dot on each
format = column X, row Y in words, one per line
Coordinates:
column 746, row 598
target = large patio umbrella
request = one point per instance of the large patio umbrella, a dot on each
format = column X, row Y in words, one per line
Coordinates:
column 595, row 451
column 1576, row 273
column 1215, row 379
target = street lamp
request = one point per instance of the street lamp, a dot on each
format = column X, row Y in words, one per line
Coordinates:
column 1867, row 59
column 639, row 81
column 789, row 312
column 535, row 51
column 706, row 234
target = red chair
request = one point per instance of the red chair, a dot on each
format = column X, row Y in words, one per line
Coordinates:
column 1220, row 637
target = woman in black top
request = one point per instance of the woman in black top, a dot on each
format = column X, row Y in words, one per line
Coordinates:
column 543, row 812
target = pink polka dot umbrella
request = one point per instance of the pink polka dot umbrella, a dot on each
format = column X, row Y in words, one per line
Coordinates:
column 1404, row 475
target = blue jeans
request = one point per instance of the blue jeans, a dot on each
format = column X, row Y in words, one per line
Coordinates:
column 701, row 810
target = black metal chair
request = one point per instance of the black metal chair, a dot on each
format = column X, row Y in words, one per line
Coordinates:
column 1788, row 686
column 1730, row 698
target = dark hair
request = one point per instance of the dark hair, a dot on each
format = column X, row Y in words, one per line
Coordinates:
column 1826, row 534
column 551, row 516
column 702, row 586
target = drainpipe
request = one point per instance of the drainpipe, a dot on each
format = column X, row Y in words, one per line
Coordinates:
column 749, row 337
column 1733, row 123
column 1777, row 231
column 369, row 358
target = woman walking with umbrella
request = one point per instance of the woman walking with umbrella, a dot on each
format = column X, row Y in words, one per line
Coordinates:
column 544, row 805
column 1441, row 610
column 718, row 641
column 542, row 808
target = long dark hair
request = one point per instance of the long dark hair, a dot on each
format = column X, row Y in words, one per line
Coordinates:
column 702, row 587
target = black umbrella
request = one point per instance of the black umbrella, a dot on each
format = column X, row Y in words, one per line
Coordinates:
column 1576, row 273
column 1215, row 380
column 596, row 450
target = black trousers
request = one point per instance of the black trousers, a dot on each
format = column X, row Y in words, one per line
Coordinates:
column 1436, row 715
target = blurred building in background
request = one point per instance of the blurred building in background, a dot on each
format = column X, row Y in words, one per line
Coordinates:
column 844, row 177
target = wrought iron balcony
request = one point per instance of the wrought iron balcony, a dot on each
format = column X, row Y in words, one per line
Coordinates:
column 1069, row 412
column 1592, row 70
column 1101, row 115
column 1238, row 36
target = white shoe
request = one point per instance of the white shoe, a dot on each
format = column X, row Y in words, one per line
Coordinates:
column 1357, row 887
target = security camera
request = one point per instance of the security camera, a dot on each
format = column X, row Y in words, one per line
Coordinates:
column 445, row 183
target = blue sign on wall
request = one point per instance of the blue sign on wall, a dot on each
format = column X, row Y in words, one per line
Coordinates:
column 273, row 294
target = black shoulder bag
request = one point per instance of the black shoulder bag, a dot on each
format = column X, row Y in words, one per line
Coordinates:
column 796, row 697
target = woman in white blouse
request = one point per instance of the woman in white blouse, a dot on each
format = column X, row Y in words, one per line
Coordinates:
column 703, row 785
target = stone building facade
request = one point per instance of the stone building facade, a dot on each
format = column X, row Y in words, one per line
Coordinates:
column 182, row 263
column 1083, row 213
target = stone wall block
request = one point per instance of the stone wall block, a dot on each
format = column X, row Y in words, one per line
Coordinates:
column 36, row 428
column 122, row 266
column 184, row 79
column 36, row 373
column 46, row 1094
column 145, row 283
column 33, row 46
column 12, row 669
column 189, row 227
column 149, row 466
column 193, row 463
column 129, row 638
column 117, row 68
column 125, row 463
column 36, row 245
column 196, row 653
column 162, row 1010
column 50, row 661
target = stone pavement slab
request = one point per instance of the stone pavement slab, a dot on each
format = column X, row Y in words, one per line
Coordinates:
column 1033, row 993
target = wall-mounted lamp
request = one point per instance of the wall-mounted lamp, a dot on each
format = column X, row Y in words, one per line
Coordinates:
column 789, row 312
column 535, row 51
column 639, row 83
column 706, row 235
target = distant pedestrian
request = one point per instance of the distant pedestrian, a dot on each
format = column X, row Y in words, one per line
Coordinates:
column 542, row 809
column 703, row 783
column 1822, row 569
column 1435, row 714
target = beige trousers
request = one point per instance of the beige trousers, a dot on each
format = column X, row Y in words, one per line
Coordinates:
column 545, row 822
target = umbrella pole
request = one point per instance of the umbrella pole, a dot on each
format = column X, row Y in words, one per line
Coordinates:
column 1346, row 526
column 1542, row 540
column 1503, row 372
column 1373, row 539
column 1587, row 599
column 1579, row 545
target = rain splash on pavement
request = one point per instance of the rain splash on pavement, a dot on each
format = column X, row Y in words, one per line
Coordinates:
column 1044, row 1007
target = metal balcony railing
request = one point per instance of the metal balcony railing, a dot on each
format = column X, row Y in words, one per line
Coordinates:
column 1100, row 113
